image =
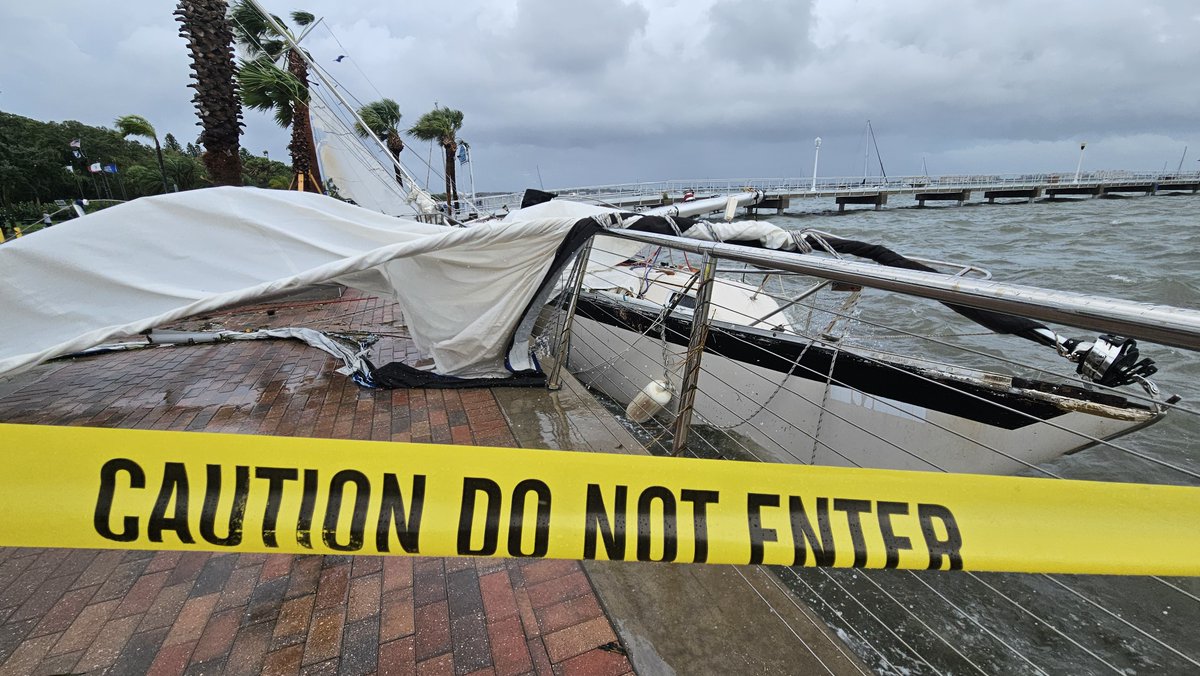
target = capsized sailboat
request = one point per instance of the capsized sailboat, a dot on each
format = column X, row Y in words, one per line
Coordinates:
column 803, row 395
column 471, row 298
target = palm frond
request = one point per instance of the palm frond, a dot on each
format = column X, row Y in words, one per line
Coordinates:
column 303, row 18
column 274, row 48
column 372, row 123
column 382, row 118
column 267, row 87
column 440, row 124
column 135, row 125
column 255, row 33
column 250, row 26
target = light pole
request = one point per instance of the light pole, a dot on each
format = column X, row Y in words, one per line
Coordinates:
column 1082, row 145
column 816, row 155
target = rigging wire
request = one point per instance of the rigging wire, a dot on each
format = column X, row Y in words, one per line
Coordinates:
column 967, row 659
column 916, row 617
column 854, row 630
column 353, row 62
column 779, row 615
column 879, row 620
column 840, row 646
column 1043, row 621
column 1164, row 582
column 1122, row 620
column 1093, row 439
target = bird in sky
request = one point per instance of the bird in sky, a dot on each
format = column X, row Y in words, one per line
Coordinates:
column 340, row 57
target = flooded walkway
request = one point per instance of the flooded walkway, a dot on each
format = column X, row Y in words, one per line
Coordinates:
column 125, row 612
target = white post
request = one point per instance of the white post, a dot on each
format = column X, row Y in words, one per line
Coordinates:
column 471, row 170
column 1082, row 145
column 816, row 155
column 867, row 151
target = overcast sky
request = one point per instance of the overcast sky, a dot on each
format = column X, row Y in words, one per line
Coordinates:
column 603, row 91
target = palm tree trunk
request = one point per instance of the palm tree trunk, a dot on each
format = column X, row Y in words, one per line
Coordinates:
column 452, row 171
column 448, row 173
column 162, row 170
column 303, row 148
column 204, row 25
column 395, row 147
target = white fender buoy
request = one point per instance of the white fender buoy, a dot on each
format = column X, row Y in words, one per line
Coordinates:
column 731, row 206
column 653, row 397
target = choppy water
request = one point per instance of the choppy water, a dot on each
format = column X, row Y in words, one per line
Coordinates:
column 1145, row 249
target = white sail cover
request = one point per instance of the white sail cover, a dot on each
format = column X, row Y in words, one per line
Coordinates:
column 357, row 172
column 604, row 270
column 157, row 259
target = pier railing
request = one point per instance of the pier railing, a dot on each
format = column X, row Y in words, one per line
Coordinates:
column 1173, row 326
column 932, row 623
column 646, row 192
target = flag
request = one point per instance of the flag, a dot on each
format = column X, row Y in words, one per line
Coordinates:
column 110, row 168
column 75, row 143
column 70, row 168
column 464, row 153
column 77, row 154
column 95, row 168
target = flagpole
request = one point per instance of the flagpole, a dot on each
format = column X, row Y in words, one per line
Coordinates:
column 120, row 182
column 104, row 178
column 76, row 147
column 471, row 172
column 78, row 183
column 82, row 157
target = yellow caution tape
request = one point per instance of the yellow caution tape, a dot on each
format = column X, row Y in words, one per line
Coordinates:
column 132, row 489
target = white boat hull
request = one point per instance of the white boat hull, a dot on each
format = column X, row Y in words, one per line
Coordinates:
column 787, row 418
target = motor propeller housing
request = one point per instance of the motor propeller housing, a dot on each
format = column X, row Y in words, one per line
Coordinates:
column 1109, row 360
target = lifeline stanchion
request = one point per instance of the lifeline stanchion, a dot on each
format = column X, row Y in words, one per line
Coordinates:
column 691, row 371
column 564, row 337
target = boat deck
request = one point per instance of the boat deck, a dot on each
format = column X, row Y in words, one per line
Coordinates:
column 85, row 611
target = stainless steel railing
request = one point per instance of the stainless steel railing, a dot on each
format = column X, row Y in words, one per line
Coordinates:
column 799, row 186
column 1179, row 327
column 930, row 622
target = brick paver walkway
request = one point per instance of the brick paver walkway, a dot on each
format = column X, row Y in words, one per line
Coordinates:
column 82, row 611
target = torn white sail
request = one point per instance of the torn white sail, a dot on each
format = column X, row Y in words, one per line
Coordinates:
column 142, row 264
column 359, row 173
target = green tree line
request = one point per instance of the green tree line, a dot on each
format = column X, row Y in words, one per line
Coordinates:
column 34, row 157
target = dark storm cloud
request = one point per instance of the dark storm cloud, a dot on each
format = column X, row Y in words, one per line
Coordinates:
column 574, row 38
column 758, row 33
column 611, row 90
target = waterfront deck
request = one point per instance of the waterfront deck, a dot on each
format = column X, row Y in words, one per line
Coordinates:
column 82, row 611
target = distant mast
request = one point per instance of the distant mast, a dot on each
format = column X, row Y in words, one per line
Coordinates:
column 866, row 149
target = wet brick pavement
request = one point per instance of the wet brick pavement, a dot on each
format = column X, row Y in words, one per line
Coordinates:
column 133, row 612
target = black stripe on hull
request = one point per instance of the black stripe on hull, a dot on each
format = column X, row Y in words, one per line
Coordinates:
column 899, row 382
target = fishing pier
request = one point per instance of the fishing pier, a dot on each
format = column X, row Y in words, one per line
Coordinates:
column 878, row 191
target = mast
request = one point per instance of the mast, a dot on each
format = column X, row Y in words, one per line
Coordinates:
column 329, row 85
column 866, row 150
column 871, row 131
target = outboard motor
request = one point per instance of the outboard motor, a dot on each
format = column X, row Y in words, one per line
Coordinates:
column 1109, row 360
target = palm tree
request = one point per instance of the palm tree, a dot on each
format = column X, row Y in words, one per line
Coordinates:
column 136, row 125
column 442, row 125
column 206, row 29
column 383, row 119
column 265, row 86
